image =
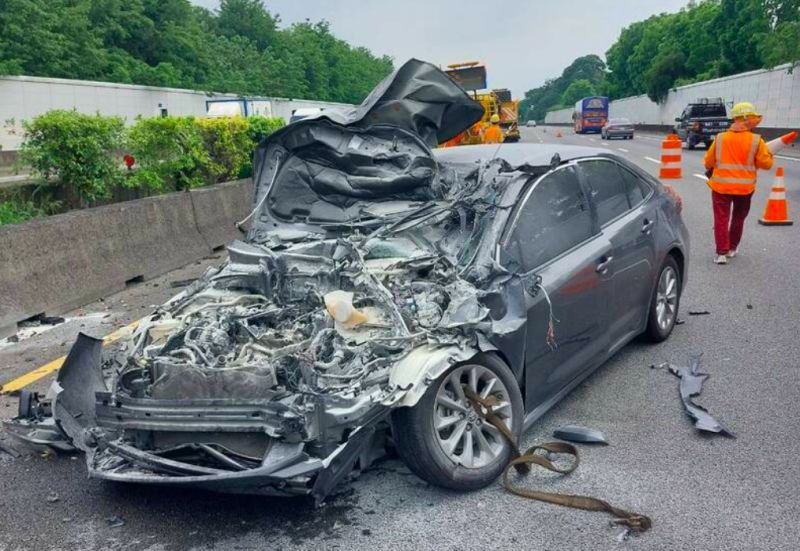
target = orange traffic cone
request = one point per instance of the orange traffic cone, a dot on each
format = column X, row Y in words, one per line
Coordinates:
column 776, row 213
column 670, row 158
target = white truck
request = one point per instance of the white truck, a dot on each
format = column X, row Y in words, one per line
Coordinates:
column 246, row 107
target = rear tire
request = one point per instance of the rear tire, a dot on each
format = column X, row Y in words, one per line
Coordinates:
column 665, row 302
column 433, row 453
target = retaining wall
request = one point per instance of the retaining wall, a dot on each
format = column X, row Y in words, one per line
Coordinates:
column 23, row 97
column 775, row 92
column 57, row 263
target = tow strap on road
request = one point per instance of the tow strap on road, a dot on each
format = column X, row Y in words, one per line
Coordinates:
column 522, row 463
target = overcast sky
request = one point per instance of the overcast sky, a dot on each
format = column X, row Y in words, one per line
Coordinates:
column 522, row 42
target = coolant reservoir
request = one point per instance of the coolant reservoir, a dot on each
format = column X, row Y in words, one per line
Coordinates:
column 339, row 305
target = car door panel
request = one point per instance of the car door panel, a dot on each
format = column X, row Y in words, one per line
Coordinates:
column 579, row 297
column 555, row 235
column 630, row 231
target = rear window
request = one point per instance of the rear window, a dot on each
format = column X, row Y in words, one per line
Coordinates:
column 710, row 110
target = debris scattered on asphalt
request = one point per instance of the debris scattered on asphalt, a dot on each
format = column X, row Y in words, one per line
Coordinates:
column 181, row 282
column 749, row 306
column 13, row 338
column 699, row 312
column 9, row 450
column 582, row 435
column 52, row 497
column 624, row 535
column 51, row 320
column 690, row 387
column 679, row 321
column 115, row 521
column 366, row 532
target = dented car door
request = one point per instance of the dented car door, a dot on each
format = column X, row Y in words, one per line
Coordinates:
column 554, row 233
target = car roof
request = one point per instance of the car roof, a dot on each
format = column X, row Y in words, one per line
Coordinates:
column 516, row 154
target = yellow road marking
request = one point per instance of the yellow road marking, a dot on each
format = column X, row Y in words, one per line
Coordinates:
column 55, row 365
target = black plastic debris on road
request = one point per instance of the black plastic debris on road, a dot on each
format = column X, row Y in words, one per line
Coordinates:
column 581, row 435
column 181, row 282
column 115, row 521
column 699, row 312
column 690, row 387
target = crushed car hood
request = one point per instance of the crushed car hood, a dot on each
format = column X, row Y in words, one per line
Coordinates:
column 323, row 171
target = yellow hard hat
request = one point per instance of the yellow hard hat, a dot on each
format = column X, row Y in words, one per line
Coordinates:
column 495, row 119
column 744, row 109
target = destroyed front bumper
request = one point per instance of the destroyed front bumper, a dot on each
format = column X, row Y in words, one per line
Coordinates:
column 79, row 414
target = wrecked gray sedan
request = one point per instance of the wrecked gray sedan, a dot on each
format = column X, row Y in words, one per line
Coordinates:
column 378, row 278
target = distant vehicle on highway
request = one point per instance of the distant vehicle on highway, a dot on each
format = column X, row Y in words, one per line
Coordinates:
column 304, row 113
column 701, row 121
column 531, row 123
column 617, row 128
column 590, row 114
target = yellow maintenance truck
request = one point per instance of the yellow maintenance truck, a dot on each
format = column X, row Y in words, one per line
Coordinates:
column 471, row 75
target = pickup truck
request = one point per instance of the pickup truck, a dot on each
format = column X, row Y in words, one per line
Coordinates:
column 701, row 121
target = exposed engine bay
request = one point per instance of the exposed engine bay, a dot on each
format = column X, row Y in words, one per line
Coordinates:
column 368, row 269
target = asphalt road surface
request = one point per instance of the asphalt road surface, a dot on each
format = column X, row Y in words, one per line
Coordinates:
column 711, row 493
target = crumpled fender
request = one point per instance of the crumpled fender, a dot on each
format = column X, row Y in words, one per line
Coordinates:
column 412, row 375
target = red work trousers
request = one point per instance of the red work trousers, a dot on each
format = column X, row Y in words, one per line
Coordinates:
column 728, row 228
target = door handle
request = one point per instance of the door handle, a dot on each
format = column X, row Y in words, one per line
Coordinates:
column 602, row 267
column 647, row 225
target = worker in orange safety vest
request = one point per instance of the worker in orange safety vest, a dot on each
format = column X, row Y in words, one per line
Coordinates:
column 731, row 163
column 493, row 134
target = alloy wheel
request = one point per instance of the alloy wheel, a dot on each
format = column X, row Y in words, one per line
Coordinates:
column 465, row 438
column 667, row 298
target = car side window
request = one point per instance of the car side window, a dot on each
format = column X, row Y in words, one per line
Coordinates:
column 555, row 218
column 606, row 189
column 635, row 188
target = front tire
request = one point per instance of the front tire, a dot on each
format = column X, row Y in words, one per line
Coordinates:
column 665, row 302
column 444, row 442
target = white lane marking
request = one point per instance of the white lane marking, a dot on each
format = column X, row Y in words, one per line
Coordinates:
column 623, row 150
column 785, row 158
column 652, row 160
column 701, row 176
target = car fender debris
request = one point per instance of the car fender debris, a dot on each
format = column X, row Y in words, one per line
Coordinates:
column 691, row 386
column 582, row 435
column 115, row 521
column 9, row 451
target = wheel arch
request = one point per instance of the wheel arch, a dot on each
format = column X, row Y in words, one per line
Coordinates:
column 412, row 376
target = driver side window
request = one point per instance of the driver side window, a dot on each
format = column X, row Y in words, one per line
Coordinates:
column 555, row 218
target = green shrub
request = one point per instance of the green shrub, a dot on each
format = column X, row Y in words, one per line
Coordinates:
column 74, row 149
column 185, row 152
column 15, row 211
column 229, row 145
column 261, row 127
column 170, row 154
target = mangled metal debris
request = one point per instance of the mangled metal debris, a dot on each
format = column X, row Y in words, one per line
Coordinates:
column 691, row 386
column 582, row 435
column 364, row 275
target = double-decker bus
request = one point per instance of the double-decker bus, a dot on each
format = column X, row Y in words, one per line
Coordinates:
column 590, row 114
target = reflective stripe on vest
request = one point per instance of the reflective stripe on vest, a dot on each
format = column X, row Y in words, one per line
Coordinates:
column 734, row 175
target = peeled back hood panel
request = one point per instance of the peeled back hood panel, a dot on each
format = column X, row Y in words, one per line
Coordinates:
column 421, row 98
column 331, row 165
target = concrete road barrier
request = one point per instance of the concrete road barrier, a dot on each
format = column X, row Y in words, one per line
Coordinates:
column 61, row 262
